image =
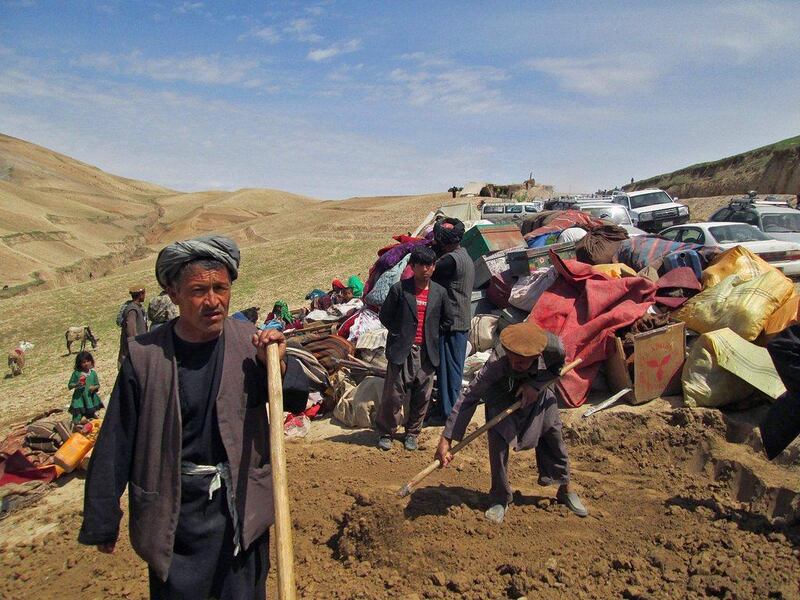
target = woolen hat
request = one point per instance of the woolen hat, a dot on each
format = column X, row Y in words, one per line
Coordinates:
column 526, row 339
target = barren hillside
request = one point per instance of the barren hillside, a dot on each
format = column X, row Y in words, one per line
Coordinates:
column 773, row 169
column 64, row 221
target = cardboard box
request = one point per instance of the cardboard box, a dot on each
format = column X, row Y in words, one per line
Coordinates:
column 654, row 368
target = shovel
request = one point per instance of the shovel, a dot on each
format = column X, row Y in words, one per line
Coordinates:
column 415, row 481
column 277, row 460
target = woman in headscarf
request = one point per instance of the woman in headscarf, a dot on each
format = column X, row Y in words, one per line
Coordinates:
column 281, row 318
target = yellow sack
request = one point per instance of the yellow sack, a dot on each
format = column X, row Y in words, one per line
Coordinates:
column 615, row 270
column 786, row 315
column 736, row 261
column 744, row 306
column 722, row 368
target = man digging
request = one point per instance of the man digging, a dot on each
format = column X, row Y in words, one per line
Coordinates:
column 525, row 361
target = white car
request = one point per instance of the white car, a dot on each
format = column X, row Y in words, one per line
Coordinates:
column 654, row 209
column 611, row 212
column 781, row 254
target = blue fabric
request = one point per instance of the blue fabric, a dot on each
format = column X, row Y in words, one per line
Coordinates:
column 545, row 239
column 452, row 352
column 239, row 316
column 273, row 324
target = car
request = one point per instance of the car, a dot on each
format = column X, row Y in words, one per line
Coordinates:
column 599, row 206
column 505, row 213
column 611, row 212
column 654, row 209
column 779, row 253
column 775, row 218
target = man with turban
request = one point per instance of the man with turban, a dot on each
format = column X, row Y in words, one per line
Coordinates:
column 186, row 431
column 455, row 272
column 526, row 359
column 132, row 320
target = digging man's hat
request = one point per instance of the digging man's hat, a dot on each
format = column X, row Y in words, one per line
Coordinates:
column 525, row 339
column 215, row 247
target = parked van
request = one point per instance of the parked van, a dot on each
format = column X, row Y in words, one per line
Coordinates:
column 505, row 213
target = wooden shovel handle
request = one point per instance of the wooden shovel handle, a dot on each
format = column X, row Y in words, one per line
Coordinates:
column 280, row 488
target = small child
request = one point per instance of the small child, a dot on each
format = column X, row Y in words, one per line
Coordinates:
column 85, row 383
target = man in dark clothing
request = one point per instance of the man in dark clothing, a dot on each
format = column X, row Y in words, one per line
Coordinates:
column 160, row 310
column 525, row 361
column 186, row 431
column 782, row 423
column 414, row 311
column 132, row 321
column 455, row 272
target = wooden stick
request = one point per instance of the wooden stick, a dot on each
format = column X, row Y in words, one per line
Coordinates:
column 280, row 489
column 409, row 487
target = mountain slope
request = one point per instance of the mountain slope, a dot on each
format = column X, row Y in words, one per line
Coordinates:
column 772, row 169
column 62, row 220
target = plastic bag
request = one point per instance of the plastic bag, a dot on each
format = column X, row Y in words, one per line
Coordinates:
column 736, row 261
column 296, row 426
column 744, row 306
column 722, row 369
column 786, row 315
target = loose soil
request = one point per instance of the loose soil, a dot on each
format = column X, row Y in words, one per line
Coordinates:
column 682, row 505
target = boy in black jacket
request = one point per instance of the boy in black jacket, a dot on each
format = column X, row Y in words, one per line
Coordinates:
column 414, row 312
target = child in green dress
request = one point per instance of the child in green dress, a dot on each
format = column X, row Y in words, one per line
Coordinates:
column 84, row 383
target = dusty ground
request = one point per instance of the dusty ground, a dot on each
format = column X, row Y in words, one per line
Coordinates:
column 682, row 506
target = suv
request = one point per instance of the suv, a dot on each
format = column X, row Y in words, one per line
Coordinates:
column 507, row 213
column 775, row 218
column 655, row 209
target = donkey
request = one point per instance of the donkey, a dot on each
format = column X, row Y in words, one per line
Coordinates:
column 80, row 334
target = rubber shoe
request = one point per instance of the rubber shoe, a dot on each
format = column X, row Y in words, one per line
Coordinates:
column 496, row 513
column 572, row 502
column 410, row 442
column 385, row 442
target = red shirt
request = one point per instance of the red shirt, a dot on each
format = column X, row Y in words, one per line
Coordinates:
column 422, row 305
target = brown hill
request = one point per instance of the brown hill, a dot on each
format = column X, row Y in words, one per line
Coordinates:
column 773, row 169
column 62, row 220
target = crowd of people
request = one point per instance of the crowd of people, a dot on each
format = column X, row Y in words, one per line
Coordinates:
column 186, row 431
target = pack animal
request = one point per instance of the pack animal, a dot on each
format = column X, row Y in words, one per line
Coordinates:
column 16, row 358
column 80, row 334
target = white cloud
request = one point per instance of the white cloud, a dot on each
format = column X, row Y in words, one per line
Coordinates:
column 322, row 54
column 187, row 7
column 748, row 29
column 598, row 75
column 265, row 34
column 302, row 30
column 205, row 69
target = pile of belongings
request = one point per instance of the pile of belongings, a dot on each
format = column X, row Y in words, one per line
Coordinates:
column 606, row 294
column 37, row 452
column 625, row 306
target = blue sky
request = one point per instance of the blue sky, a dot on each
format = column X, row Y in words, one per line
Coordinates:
column 336, row 99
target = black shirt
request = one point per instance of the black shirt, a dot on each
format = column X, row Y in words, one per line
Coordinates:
column 199, row 372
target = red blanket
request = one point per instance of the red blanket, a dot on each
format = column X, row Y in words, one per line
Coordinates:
column 584, row 308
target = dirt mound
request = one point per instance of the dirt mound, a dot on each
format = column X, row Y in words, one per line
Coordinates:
column 372, row 530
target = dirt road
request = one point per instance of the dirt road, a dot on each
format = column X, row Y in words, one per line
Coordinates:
column 682, row 506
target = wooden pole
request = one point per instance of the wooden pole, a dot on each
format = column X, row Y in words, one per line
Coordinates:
column 280, row 489
column 415, row 481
